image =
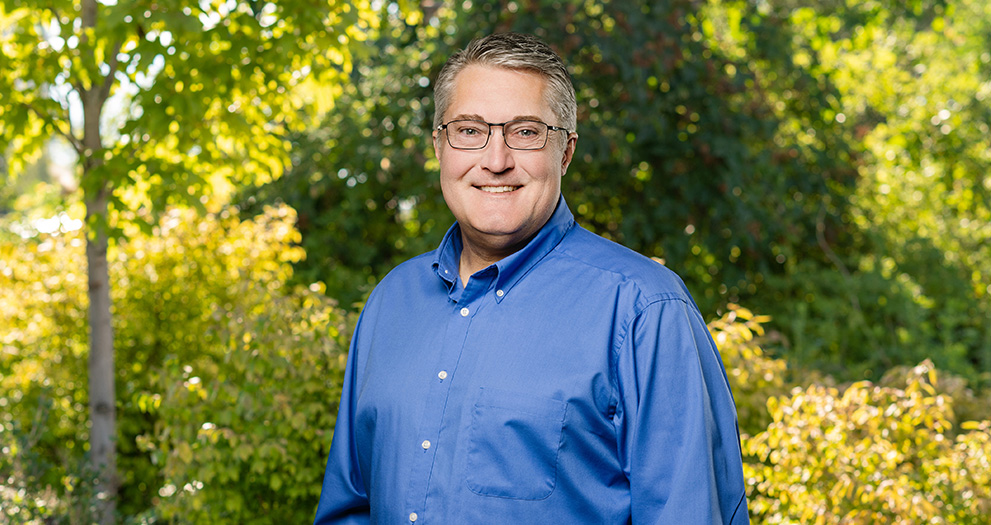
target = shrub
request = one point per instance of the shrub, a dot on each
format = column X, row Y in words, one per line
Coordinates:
column 868, row 454
column 243, row 435
column 754, row 377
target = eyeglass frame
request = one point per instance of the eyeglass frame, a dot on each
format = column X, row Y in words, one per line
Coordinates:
column 443, row 127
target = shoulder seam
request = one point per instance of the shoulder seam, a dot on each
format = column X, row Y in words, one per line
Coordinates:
column 661, row 297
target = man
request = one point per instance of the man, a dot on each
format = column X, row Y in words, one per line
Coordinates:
column 528, row 371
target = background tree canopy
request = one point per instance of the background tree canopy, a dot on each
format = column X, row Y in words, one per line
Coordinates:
column 827, row 166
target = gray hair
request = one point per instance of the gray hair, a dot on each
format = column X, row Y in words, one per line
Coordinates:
column 518, row 52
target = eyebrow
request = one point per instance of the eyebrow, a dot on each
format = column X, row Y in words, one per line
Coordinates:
column 528, row 117
column 477, row 117
column 464, row 116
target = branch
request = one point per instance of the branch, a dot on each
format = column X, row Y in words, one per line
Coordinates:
column 51, row 121
column 80, row 89
column 89, row 11
column 113, row 63
column 55, row 15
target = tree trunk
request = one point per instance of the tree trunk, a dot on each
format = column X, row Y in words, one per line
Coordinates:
column 102, row 391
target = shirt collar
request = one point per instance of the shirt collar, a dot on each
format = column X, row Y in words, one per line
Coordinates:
column 447, row 257
column 512, row 268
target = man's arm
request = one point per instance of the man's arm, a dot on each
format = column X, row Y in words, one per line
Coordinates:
column 343, row 499
column 678, row 432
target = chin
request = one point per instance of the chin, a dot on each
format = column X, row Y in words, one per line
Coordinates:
column 499, row 231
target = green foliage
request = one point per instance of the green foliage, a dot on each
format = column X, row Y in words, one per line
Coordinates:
column 869, row 454
column 968, row 405
column 363, row 181
column 754, row 377
column 244, row 432
column 907, row 450
column 204, row 94
column 908, row 279
column 42, row 370
column 857, row 323
column 201, row 298
column 928, row 196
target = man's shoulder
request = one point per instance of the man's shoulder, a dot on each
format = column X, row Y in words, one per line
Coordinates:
column 418, row 267
column 405, row 278
column 619, row 263
column 418, row 264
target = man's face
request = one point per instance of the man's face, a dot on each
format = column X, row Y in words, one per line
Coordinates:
column 501, row 197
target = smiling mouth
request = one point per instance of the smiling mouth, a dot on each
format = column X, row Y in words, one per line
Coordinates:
column 498, row 189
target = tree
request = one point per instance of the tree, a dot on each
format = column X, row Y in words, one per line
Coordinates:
column 164, row 102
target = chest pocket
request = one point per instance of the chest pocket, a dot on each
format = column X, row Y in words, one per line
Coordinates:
column 513, row 445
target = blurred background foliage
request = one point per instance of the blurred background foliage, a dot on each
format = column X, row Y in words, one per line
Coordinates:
column 825, row 165
column 228, row 377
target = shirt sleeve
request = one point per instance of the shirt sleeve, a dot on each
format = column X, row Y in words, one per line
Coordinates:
column 677, row 427
column 343, row 499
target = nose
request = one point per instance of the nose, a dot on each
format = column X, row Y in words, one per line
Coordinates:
column 497, row 157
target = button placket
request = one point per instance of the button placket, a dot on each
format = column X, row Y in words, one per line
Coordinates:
column 458, row 326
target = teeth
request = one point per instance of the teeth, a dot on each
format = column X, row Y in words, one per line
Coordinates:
column 498, row 189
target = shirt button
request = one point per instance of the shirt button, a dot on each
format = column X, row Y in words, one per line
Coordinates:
column 425, row 444
column 464, row 312
column 500, row 293
column 442, row 374
column 413, row 516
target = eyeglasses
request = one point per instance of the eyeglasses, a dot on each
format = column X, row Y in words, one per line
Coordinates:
column 518, row 134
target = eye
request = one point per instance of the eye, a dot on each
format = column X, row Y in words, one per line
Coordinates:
column 526, row 129
column 469, row 129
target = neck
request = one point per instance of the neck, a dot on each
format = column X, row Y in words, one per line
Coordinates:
column 472, row 262
column 475, row 257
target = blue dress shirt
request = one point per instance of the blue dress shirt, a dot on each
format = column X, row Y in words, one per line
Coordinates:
column 571, row 382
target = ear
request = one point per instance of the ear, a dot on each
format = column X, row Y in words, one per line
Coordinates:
column 436, row 144
column 569, row 152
